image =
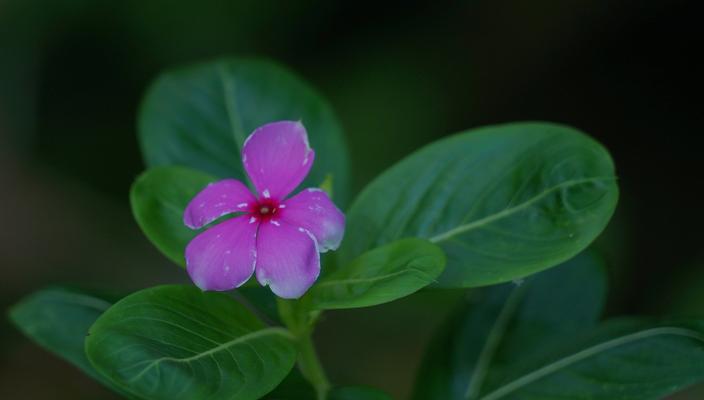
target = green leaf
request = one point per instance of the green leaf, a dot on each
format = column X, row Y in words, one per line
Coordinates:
column 199, row 116
column 357, row 393
column 540, row 340
column 379, row 276
column 327, row 186
column 176, row 342
column 503, row 201
column 650, row 362
column 158, row 198
column 58, row 320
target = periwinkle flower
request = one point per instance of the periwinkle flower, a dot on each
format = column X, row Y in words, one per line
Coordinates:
column 278, row 237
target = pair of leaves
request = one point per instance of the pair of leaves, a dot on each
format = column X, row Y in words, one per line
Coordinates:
column 151, row 332
column 167, row 342
column 502, row 201
column 540, row 340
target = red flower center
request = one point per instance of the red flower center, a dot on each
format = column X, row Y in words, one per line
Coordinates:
column 265, row 209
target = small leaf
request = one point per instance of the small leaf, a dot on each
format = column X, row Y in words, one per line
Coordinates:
column 176, row 342
column 357, row 393
column 58, row 320
column 379, row 276
column 540, row 340
column 327, row 186
column 158, row 198
column 502, row 201
column 199, row 116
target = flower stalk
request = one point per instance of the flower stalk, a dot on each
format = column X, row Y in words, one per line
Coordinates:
column 311, row 368
column 301, row 322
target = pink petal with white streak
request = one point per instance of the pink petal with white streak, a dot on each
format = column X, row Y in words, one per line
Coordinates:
column 288, row 259
column 223, row 257
column 277, row 158
column 217, row 199
column 313, row 210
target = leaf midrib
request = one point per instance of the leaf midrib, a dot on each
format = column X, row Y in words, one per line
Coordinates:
column 223, row 346
column 587, row 353
column 228, row 92
column 91, row 302
column 449, row 234
column 372, row 279
column 492, row 343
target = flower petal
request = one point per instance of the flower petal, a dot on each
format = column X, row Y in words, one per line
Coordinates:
column 223, row 257
column 288, row 259
column 217, row 199
column 277, row 158
column 313, row 210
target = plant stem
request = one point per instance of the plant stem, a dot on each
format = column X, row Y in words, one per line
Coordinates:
column 301, row 321
column 310, row 366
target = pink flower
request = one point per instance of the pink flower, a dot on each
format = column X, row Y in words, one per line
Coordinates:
column 280, row 238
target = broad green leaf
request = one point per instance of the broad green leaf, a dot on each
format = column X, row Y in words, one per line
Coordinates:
column 379, row 276
column 503, row 201
column 199, row 116
column 647, row 363
column 522, row 353
column 357, row 393
column 176, row 342
column 158, row 198
column 503, row 324
column 58, row 320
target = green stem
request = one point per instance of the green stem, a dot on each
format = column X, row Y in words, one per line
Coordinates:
column 301, row 321
column 310, row 366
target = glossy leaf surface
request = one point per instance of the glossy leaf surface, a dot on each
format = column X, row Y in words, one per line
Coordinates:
column 158, row 198
column 176, row 342
column 540, row 340
column 380, row 275
column 200, row 116
column 502, row 201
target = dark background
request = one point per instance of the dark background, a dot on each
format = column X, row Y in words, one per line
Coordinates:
column 399, row 75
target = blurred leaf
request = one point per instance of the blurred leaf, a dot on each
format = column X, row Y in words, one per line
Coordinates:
column 539, row 341
column 506, row 323
column 177, row 342
column 503, row 201
column 199, row 116
column 357, row 393
column 58, row 320
column 158, row 198
column 616, row 361
column 379, row 276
